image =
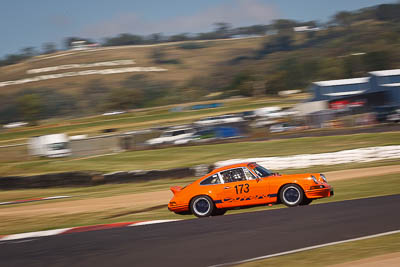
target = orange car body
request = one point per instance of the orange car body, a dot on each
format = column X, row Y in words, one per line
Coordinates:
column 250, row 189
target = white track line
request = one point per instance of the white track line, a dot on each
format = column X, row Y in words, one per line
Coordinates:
column 153, row 222
column 35, row 234
column 56, row 197
column 61, row 231
column 305, row 249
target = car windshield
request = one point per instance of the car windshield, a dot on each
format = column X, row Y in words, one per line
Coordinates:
column 58, row 146
column 261, row 171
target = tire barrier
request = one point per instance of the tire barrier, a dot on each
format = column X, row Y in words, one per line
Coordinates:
column 87, row 178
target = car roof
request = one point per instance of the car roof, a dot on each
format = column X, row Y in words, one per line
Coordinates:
column 227, row 167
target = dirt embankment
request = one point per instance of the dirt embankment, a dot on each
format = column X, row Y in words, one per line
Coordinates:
column 387, row 260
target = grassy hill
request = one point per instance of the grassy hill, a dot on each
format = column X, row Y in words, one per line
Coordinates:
column 190, row 63
column 199, row 70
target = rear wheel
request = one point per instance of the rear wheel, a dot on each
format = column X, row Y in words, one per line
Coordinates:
column 202, row 206
column 291, row 195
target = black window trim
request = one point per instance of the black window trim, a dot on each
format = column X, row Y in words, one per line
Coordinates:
column 219, row 177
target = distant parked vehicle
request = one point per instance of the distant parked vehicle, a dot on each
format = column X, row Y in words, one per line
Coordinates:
column 383, row 112
column 117, row 112
column 230, row 118
column 394, row 117
column 266, row 111
column 249, row 114
column 262, row 122
column 52, row 146
column 15, row 124
column 282, row 127
column 173, row 136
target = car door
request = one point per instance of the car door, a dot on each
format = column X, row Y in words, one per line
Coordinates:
column 239, row 189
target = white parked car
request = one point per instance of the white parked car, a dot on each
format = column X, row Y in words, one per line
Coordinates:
column 15, row 124
column 230, row 118
column 51, row 145
column 174, row 136
column 117, row 112
column 282, row 127
column 266, row 111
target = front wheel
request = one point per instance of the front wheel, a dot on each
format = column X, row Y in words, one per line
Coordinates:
column 202, row 206
column 291, row 195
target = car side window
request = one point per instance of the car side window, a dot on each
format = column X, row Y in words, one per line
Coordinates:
column 233, row 175
column 213, row 179
column 249, row 174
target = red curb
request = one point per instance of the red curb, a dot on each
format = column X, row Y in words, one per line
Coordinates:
column 80, row 229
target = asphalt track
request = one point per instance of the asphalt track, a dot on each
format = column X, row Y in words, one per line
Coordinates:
column 209, row 241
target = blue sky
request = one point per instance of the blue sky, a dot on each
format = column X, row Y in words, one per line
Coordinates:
column 26, row 23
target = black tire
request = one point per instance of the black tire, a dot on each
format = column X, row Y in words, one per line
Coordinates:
column 306, row 201
column 202, row 206
column 291, row 195
column 219, row 212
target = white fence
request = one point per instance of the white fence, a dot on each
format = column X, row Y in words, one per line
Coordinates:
column 307, row 160
column 83, row 65
column 82, row 73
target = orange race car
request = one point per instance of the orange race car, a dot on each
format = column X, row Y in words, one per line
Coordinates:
column 246, row 184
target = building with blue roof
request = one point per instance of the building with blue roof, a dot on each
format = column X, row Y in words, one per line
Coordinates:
column 381, row 88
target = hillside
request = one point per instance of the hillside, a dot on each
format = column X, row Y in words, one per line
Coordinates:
column 86, row 82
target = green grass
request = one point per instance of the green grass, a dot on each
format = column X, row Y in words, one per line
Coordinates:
column 206, row 154
column 344, row 190
column 335, row 254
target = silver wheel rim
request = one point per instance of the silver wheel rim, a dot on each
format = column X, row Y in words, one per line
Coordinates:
column 201, row 206
column 291, row 195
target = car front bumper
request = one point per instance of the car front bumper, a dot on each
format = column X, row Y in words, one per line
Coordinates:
column 320, row 193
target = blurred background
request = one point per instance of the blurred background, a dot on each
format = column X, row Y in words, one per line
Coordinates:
column 128, row 93
column 257, row 70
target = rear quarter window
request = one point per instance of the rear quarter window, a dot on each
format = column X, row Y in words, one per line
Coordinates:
column 213, row 179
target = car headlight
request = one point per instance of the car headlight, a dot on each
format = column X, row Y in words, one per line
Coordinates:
column 314, row 179
column 323, row 178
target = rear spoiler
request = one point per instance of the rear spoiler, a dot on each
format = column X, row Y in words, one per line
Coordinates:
column 176, row 189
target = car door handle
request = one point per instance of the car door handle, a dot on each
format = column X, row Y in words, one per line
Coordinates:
column 226, row 187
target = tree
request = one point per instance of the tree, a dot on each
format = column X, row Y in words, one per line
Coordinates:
column 124, row 39
column 275, row 83
column 124, row 98
column 28, row 52
column 243, row 83
column 284, row 25
column 156, row 38
column 222, row 29
column 94, row 95
column 377, row 60
column 179, row 37
column 49, row 48
column 30, row 107
column 353, row 66
column 343, row 18
column 388, row 12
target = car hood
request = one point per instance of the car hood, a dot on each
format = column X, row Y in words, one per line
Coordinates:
column 300, row 176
